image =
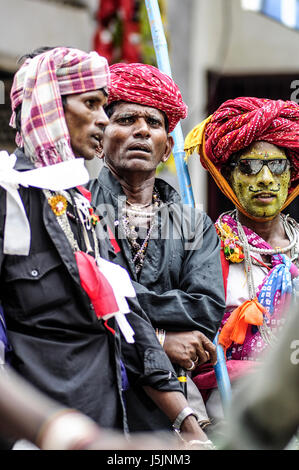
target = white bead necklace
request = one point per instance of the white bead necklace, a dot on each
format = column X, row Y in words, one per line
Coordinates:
column 290, row 231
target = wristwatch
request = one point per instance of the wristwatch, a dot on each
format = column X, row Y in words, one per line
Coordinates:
column 187, row 411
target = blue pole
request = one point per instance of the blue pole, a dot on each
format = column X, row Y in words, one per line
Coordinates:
column 222, row 376
column 161, row 50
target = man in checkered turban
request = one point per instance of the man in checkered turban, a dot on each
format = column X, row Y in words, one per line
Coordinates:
column 182, row 298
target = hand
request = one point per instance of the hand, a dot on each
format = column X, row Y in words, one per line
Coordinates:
column 190, row 348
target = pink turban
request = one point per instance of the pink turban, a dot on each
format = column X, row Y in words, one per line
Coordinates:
column 38, row 86
column 239, row 122
column 148, row 86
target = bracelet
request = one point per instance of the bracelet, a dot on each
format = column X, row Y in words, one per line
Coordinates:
column 161, row 334
column 67, row 430
column 204, row 423
column 187, row 411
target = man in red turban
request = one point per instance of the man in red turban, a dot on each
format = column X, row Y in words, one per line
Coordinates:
column 251, row 148
column 171, row 251
column 238, row 123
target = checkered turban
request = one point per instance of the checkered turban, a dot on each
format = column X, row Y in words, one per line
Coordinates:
column 38, row 87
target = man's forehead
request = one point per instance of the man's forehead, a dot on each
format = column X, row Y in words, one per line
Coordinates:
column 264, row 150
column 92, row 94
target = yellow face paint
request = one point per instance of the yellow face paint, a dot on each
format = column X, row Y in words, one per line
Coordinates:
column 263, row 194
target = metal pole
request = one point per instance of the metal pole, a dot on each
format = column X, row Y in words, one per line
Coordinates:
column 222, row 376
column 161, row 50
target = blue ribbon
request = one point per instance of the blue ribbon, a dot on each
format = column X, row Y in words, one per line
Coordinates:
column 278, row 280
column 3, row 335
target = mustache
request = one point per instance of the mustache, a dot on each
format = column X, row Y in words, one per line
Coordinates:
column 251, row 188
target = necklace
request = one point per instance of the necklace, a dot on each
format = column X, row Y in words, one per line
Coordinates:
column 266, row 332
column 139, row 213
column 131, row 219
column 290, row 229
column 233, row 241
column 138, row 206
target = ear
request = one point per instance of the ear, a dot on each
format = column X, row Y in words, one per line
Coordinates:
column 168, row 148
column 100, row 152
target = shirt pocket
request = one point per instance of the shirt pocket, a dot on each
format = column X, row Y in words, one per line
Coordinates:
column 35, row 284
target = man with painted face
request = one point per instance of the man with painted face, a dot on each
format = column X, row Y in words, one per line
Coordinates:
column 171, row 251
column 58, row 305
column 250, row 146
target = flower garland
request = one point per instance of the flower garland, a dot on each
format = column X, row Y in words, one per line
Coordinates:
column 58, row 204
column 123, row 33
column 233, row 251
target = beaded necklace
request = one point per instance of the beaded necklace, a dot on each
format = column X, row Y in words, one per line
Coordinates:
column 131, row 218
column 291, row 229
column 265, row 332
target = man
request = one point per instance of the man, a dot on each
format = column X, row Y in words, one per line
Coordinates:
column 57, row 303
column 170, row 251
column 250, row 146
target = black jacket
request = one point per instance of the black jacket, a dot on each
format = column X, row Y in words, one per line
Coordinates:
column 180, row 287
column 58, row 343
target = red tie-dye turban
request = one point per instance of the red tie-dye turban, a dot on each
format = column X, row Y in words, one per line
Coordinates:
column 147, row 85
column 239, row 122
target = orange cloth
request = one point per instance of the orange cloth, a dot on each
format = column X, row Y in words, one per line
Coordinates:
column 249, row 313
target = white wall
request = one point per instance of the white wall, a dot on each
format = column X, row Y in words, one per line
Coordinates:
column 225, row 38
column 28, row 24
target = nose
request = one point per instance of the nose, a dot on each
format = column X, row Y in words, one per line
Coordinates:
column 102, row 119
column 141, row 128
column 265, row 177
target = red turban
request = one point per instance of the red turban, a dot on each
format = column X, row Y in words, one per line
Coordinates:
column 239, row 122
column 148, row 86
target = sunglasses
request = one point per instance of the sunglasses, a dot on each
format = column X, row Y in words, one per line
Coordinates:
column 253, row 166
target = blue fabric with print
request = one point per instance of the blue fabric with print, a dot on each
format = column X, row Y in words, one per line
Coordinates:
column 279, row 280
